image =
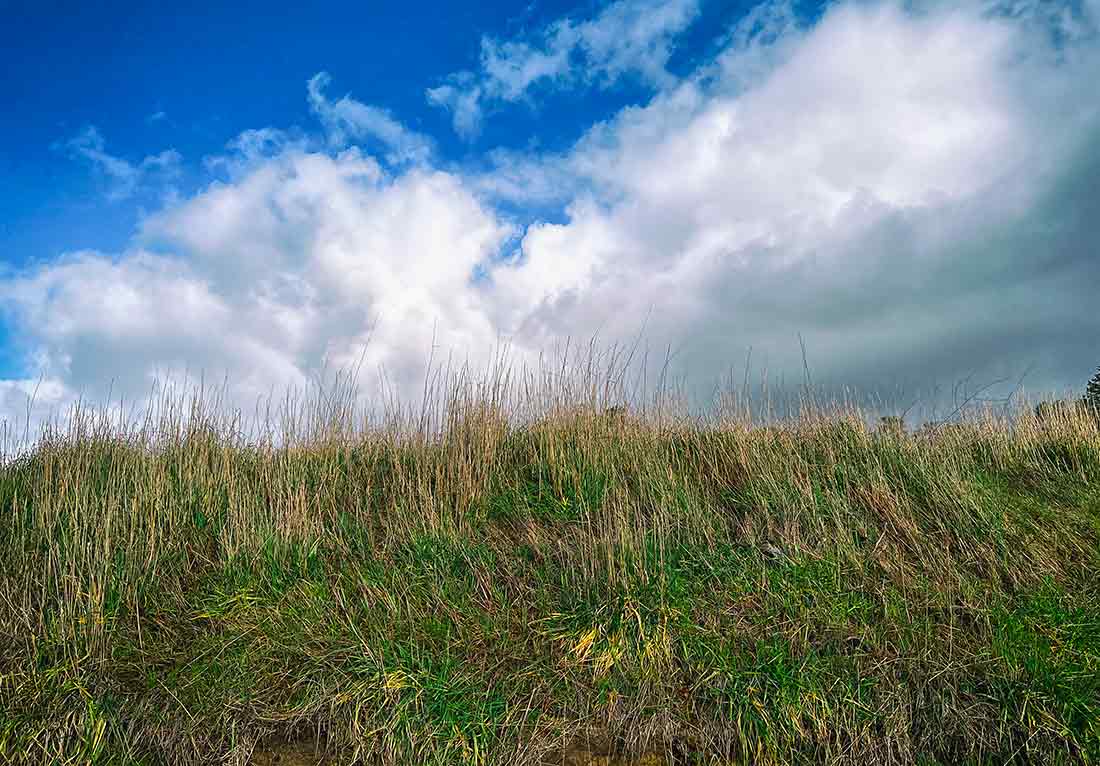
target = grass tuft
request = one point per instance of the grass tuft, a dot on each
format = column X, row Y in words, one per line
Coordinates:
column 523, row 566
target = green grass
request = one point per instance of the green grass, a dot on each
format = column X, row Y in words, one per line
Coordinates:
column 805, row 592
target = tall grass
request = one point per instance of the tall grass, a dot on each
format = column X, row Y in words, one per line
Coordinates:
column 517, row 564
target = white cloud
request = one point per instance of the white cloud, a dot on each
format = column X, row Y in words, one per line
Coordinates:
column 270, row 278
column 872, row 187
column 626, row 37
column 24, row 406
column 251, row 148
column 914, row 191
column 462, row 97
column 348, row 120
column 123, row 177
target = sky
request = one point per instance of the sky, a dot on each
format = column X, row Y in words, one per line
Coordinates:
column 907, row 192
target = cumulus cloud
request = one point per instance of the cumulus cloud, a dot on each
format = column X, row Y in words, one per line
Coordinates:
column 626, row 37
column 123, row 177
column 877, row 189
column 911, row 189
column 348, row 120
column 306, row 262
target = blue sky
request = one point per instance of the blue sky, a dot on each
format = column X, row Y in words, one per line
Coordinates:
column 150, row 76
column 746, row 171
column 210, row 75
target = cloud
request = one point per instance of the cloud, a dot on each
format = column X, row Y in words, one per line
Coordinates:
column 24, row 404
column 308, row 261
column 462, row 98
column 123, row 178
column 912, row 189
column 628, row 37
column 159, row 116
column 255, row 146
column 348, row 120
column 892, row 185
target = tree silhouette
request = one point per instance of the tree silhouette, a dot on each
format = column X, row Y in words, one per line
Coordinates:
column 1092, row 391
column 1088, row 404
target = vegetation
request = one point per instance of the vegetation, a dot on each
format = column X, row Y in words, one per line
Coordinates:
column 510, row 572
column 1092, row 391
column 1088, row 406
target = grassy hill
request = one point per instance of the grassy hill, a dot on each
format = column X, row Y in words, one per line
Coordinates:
column 507, row 590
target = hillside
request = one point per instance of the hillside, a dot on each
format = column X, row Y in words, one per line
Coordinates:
column 542, row 591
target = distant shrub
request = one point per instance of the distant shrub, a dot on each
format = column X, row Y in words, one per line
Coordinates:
column 1067, row 409
column 939, row 429
column 1092, row 392
column 617, row 414
column 892, row 425
column 1047, row 411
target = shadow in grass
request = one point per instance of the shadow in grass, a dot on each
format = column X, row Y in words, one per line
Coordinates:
column 309, row 752
column 584, row 757
column 299, row 752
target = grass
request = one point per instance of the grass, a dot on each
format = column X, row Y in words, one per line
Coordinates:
column 505, row 574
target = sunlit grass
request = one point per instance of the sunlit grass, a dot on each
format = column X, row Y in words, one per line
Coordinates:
column 514, row 567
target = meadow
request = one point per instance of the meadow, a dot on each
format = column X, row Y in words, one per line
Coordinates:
column 520, row 570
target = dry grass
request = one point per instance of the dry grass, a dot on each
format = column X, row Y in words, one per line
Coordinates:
column 513, row 567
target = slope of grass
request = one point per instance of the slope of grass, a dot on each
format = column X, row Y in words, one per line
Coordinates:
column 495, row 590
